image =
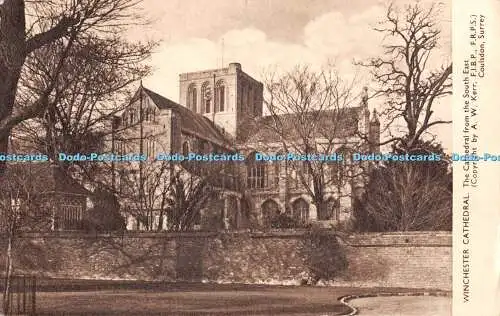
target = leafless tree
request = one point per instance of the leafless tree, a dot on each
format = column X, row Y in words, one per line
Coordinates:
column 97, row 80
column 408, row 196
column 29, row 27
column 311, row 113
column 404, row 77
column 190, row 194
column 22, row 206
column 175, row 194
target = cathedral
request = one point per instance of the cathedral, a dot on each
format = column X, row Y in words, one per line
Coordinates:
column 221, row 111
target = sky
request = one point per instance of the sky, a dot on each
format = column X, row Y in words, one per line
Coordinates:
column 271, row 34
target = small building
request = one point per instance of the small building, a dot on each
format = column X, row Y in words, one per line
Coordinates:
column 43, row 196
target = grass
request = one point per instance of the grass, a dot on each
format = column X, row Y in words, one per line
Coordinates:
column 97, row 297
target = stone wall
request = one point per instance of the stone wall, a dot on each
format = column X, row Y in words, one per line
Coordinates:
column 418, row 260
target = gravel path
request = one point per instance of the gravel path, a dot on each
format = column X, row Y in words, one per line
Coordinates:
column 403, row 306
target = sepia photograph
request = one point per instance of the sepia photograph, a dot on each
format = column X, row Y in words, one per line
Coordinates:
column 244, row 157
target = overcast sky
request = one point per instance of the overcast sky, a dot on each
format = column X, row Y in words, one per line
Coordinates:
column 199, row 34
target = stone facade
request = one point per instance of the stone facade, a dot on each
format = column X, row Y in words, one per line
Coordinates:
column 221, row 111
column 236, row 97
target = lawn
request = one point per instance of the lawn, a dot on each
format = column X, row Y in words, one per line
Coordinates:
column 85, row 297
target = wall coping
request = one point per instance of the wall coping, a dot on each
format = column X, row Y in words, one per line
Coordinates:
column 396, row 239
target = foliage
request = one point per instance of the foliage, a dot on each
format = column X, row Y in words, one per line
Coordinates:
column 325, row 256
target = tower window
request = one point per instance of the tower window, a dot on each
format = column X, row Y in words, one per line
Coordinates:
column 192, row 98
column 220, row 96
column 207, row 97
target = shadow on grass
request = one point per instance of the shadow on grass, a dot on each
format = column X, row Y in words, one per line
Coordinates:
column 74, row 285
column 229, row 303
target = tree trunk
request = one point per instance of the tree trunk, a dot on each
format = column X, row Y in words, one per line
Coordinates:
column 8, row 275
column 4, row 148
column 12, row 57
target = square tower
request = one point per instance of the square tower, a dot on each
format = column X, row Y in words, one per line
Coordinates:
column 228, row 96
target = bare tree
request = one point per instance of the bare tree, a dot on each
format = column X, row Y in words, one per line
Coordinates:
column 97, row 80
column 311, row 112
column 173, row 196
column 22, row 203
column 29, row 26
column 190, row 194
column 408, row 196
column 404, row 76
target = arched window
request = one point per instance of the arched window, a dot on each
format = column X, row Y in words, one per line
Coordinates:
column 220, row 96
column 185, row 148
column 300, row 210
column 256, row 173
column 270, row 210
column 206, row 94
column 192, row 98
column 150, row 147
column 331, row 210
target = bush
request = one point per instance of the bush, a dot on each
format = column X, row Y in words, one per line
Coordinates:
column 325, row 256
column 105, row 216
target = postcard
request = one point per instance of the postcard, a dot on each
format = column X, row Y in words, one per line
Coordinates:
column 249, row 157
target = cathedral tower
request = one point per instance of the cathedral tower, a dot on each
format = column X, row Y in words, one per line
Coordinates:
column 227, row 96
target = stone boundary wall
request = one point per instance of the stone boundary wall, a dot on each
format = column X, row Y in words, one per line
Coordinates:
column 415, row 260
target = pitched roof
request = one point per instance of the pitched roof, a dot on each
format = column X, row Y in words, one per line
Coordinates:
column 332, row 123
column 191, row 122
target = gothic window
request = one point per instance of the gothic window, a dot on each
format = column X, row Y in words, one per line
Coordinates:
column 150, row 147
column 207, row 97
column 192, row 98
column 270, row 210
column 300, row 210
column 220, row 96
column 256, row 173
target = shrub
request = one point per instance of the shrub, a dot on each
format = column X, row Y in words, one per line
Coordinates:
column 105, row 215
column 325, row 257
